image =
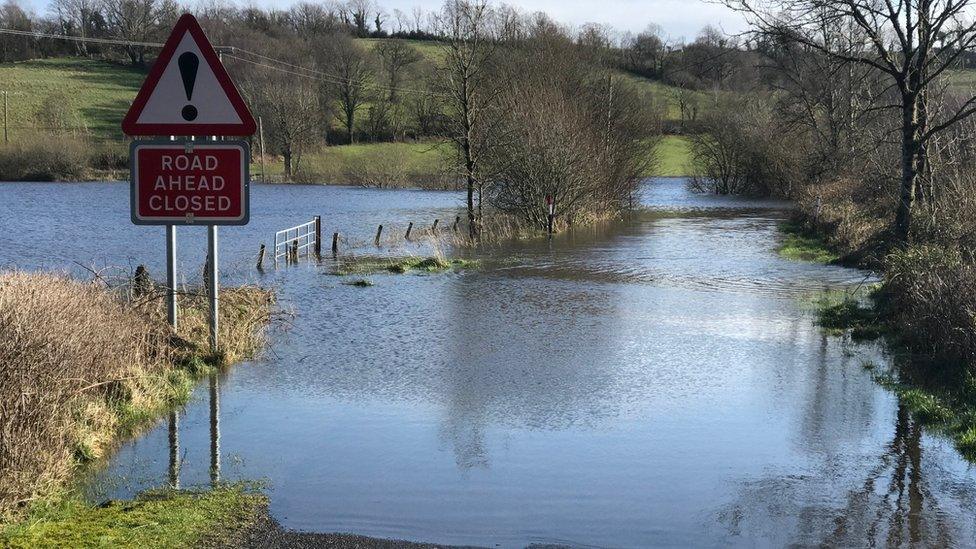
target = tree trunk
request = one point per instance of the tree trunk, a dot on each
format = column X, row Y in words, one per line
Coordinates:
column 287, row 157
column 471, row 180
column 350, row 124
column 911, row 148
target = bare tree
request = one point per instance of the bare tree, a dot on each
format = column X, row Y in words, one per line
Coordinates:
column 138, row 21
column 350, row 74
column 401, row 21
column 310, row 20
column 359, row 11
column 418, row 16
column 395, row 56
column 290, row 110
column 468, row 46
column 15, row 48
column 78, row 18
column 912, row 42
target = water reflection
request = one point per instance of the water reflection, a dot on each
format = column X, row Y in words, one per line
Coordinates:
column 214, row 429
column 174, row 450
column 888, row 500
column 173, row 432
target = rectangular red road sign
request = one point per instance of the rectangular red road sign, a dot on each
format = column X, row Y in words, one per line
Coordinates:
column 190, row 183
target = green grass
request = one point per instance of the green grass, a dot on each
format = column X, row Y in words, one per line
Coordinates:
column 431, row 51
column 674, row 157
column 664, row 94
column 963, row 80
column 849, row 314
column 164, row 519
column 99, row 92
column 946, row 404
column 333, row 164
column 365, row 265
column 799, row 244
column 360, row 283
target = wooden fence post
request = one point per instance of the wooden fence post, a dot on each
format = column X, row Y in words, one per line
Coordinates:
column 335, row 244
column 434, row 228
column 379, row 232
column 261, row 258
column 409, row 228
column 457, row 221
column 141, row 283
column 318, row 235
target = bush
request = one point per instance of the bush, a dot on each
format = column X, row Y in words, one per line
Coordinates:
column 743, row 150
column 56, row 115
column 558, row 129
column 44, row 158
column 110, row 156
column 63, row 341
column 931, row 289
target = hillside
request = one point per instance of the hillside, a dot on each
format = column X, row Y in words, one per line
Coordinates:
column 91, row 97
column 94, row 95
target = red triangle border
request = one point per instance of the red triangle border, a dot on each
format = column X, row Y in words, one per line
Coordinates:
column 188, row 23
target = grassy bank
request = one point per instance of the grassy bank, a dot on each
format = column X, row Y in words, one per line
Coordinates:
column 940, row 396
column 165, row 519
column 800, row 243
column 87, row 365
column 674, row 158
column 64, row 124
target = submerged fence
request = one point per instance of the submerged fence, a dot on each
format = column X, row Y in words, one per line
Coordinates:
column 304, row 239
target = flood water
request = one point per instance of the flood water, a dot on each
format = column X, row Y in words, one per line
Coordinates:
column 655, row 382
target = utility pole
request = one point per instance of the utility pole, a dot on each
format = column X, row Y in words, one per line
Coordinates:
column 6, row 138
column 609, row 108
column 264, row 174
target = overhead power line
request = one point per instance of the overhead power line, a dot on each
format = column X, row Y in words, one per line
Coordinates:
column 111, row 41
column 310, row 73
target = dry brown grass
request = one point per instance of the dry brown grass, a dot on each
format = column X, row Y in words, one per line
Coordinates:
column 83, row 364
column 852, row 214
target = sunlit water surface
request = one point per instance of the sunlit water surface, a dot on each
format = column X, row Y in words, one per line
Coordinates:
column 656, row 382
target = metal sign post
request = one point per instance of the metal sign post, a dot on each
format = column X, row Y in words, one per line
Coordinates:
column 171, row 275
column 214, row 276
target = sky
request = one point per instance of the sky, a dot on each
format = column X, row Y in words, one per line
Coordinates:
column 678, row 18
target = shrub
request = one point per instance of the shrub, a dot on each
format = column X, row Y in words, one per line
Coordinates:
column 932, row 292
column 57, row 115
column 110, row 156
column 44, row 158
column 743, row 149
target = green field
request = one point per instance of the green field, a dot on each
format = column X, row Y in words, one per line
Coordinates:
column 97, row 93
column 674, row 157
column 336, row 164
column 431, row 51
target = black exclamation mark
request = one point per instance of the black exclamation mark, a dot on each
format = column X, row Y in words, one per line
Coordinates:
column 189, row 62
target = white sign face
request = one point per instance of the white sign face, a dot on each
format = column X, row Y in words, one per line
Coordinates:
column 188, row 91
column 201, row 90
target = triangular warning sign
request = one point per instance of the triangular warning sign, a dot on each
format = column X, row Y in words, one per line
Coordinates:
column 188, row 92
